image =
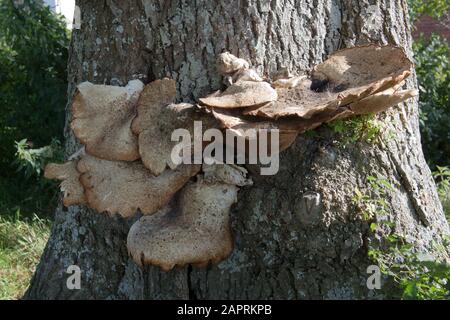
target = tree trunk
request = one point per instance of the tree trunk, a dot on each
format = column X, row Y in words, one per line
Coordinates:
column 298, row 234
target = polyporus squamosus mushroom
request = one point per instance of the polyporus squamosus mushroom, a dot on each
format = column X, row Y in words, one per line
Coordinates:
column 351, row 82
column 194, row 229
column 157, row 119
column 73, row 192
column 124, row 187
column 102, row 118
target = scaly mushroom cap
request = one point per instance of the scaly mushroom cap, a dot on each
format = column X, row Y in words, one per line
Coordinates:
column 360, row 71
column 73, row 192
column 158, row 118
column 124, row 187
column 351, row 82
column 242, row 94
column 102, row 118
column 154, row 131
column 193, row 230
column 345, row 77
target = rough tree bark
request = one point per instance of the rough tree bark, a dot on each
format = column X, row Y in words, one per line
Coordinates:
column 298, row 235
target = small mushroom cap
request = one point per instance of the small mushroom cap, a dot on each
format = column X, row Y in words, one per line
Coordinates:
column 73, row 191
column 242, row 94
column 194, row 231
column 102, row 118
column 124, row 187
column 246, row 75
column 228, row 63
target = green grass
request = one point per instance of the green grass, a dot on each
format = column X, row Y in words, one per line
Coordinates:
column 21, row 244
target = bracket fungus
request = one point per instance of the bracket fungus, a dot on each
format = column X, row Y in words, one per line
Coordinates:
column 194, row 229
column 73, row 192
column 350, row 82
column 127, row 136
column 102, row 118
column 157, row 118
column 124, row 187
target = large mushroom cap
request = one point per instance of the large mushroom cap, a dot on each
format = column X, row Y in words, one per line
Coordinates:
column 157, row 120
column 196, row 231
column 363, row 70
column 345, row 77
column 102, row 118
column 193, row 229
column 350, row 82
column 124, row 187
column 73, row 192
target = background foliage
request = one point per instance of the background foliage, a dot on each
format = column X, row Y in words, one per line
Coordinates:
column 33, row 58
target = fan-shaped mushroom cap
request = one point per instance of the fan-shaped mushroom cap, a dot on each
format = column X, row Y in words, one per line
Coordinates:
column 381, row 101
column 124, row 187
column 228, row 63
column 195, row 230
column 365, row 69
column 73, row 192
column 242, row 94
column 153, row 129
column 158, row 118
column 102, row 118
column 347, row 76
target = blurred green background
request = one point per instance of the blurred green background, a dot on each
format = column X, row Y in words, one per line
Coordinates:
column 33, row 56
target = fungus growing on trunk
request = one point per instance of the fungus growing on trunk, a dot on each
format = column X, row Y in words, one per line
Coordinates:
column 194, row 229
column 73, row 192
column 187, row 222
column 350, row 82
column 242, row 94
column 124, row 187
column 102, row 118
column 158, row 118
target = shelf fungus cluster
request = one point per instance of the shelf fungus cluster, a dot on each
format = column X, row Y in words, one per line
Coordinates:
column 127, row 169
